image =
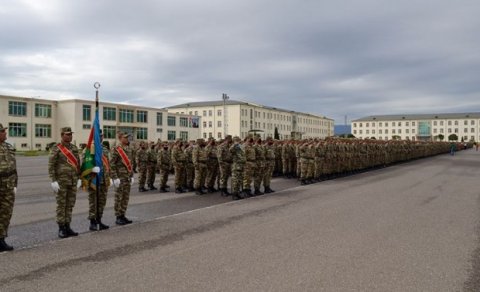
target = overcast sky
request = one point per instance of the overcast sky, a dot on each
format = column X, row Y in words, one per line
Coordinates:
column 331, row 58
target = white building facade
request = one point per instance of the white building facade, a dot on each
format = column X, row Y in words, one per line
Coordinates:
column 34, row 123
column 429, row 127
column 238, row 118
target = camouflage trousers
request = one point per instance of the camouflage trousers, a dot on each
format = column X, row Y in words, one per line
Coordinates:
column 122, row 196
column 307, row 166
column 164, row 170
column 179, row 175
column 237, row 178
column 269, row 167
column 142, row 175
column 225, row 173
column 248, row 173
column 92, row 202
column 151, row 172
column 7, row 198
column 189, row 175
column 212, row 173
column 318, row 167
column 298, row 169
column 258, row 174
column 66, row 197
column 200, row 175
column 287, row 166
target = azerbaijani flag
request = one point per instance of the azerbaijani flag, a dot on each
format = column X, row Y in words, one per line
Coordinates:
column 93, row 155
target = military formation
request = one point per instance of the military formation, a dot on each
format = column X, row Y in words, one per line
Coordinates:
column 201, row 166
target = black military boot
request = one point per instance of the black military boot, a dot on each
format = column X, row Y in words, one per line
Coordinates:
column 142, row 189
column 62, row 231
column 199, row 192
column 257, row 192
column 268, row 190
column 152, row 188
column 4, row 246
column 120, row 221
column 70, row 231
column 102, row 226
column 178, row 190
column 128, row 221
column 236, row 196
column 247, row 193
column 163, row 190
column 225, row 192
column 93, row 225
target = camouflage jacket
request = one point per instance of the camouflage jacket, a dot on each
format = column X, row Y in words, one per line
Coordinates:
column 59, row 169
column 118, row 168
column 8, row 164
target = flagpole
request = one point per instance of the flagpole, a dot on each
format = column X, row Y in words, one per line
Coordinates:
column 97, row 86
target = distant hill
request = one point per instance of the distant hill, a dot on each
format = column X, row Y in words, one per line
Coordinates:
column 342, row 129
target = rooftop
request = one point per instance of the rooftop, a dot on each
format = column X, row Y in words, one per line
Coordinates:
column 442, row 116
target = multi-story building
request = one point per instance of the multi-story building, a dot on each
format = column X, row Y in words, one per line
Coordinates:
column 435, row 127
column 238, row 118
column 33, row 123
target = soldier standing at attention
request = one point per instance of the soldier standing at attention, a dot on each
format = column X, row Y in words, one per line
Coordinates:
column 64, row 171
column 178, row 161
column 8, row 186
column 212, row 165
column 142, row 161
column 96, row 219
column 122, row 175
column 164, row 163
column 269, row 165
column 260, row 167
column 199, row 158
column 189, row 169
column 151, row 166
column 225, row 164
column 238, row 161
column 249, row 167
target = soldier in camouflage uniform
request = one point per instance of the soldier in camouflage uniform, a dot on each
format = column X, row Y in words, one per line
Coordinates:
column 151, row 166
column 225, row 163
column 122, row 175
column 260, row 166
column 164, row 163
column 142, row 161
column 64, row 171
column 249, row 167
column 212, row 165
column 238, row 161
column 189, row 169
column 179, row 163
column 8, row 186
column 269, row 165
column 97, row 205
column 199, row 158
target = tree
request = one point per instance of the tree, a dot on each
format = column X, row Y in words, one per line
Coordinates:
column 452, row 137
column 396, row 137
column 276, row 136
column 441, row 137
column 350, row 136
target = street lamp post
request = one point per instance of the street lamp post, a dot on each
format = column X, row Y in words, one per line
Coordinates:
column 32, row 129
column 225, row 97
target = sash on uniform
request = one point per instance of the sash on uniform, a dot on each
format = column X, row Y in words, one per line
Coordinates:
column 125, row 159
column 71, row 159
column 106, row 164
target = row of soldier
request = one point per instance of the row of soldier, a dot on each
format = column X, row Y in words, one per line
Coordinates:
column 197, row 166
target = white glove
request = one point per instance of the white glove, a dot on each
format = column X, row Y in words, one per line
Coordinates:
column 15, row 190
column 55, row 187
column 116, row 182
column 111, row 182
column 79, row 183
column 96, row 169
column 132, row 180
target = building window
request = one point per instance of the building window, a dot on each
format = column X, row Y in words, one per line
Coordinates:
column 87, row 112
column 441, row 123
column 171, row 121
column 449, row 123
column 465, row 122
column 16, row 108
column 109, row 114
column 184, row 135
column 380, row 131
column 196, row 113
column 367, row 125
column 407, row 131
column 354, row 132
column 441, row 131
column 43, row 131
column 159, row 130
column 399, row 124
column 159, row 119
column 43, row 110
column 209, row 124
column 17, row 129
column 219, row 124
column 399, row 131
column 472, row 130
column 456, row 130
column 456, row 123
column 386, row 131
column 183, row 123
column 210, row 113
column 219, row 113
column 204, row 113
column 142, row 133
column 171, row 135
column 210, row 135
column 413, row 124
column 142, row 116
column 86, row 126
column 465, row 130
column 386, row 124
column 407, row 123
column 109, row 132
column 380, row 124
column 472, row 122
column 126, row 116
column 219, row 135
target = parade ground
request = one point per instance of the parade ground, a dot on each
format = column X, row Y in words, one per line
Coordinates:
column 409, row 227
